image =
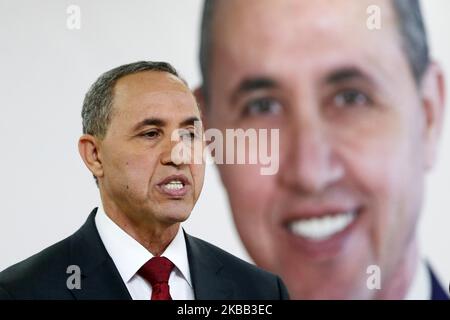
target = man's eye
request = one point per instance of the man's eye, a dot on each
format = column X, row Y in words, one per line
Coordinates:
column 262, row 106
column 349, row 98
column 188, row 135
column 152, row 134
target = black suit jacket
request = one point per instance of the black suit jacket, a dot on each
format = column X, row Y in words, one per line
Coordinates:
column 215, row 273
column 437, row 292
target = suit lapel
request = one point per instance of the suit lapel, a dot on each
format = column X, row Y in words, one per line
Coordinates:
column 100, row 278
column 207, row 272
column 437, row 293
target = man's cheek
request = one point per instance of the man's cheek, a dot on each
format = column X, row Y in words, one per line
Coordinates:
column 248, row 190
column 139, row 173
column 381, row 180
column 376, row 163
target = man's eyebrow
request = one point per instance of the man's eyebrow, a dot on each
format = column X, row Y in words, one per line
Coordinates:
column 150, row 122
column 189, row 121
column 252, row 84
column 347, row 74
column 161, row 123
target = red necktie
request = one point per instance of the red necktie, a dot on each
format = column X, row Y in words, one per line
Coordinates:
column 157, row 271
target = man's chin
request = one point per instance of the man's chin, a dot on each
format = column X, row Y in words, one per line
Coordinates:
column 176, row 218
column 336, row 268
column 330, row 292
column 341, row 284
column 179, row 213
column 175, row 212
column 343, row 277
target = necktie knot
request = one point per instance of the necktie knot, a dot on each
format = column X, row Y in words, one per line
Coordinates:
column 157, row 271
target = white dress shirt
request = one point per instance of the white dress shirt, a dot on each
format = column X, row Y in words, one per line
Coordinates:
column 129, row 256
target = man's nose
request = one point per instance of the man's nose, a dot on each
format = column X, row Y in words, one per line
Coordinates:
column 170, row 155
column 310, row 163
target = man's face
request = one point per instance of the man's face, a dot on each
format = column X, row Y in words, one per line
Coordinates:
column 353, row 140
column 140, row 177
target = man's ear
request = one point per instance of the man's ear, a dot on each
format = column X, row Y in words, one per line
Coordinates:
column 88, row 146
column 433, row 103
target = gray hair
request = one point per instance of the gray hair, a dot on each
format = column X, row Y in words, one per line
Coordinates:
column 411, row 26
column 97, row 105
column 414, row 36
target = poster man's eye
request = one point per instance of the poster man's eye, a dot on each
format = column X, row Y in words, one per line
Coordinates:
column 262, row 106
column 187, row 134
column 351, row 98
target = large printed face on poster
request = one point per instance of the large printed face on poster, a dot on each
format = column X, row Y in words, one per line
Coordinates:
column 357, row 134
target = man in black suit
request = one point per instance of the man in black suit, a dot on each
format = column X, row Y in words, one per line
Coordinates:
column 132, row 246
column 358, row 105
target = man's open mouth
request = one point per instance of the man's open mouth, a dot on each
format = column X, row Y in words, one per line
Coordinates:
column 174, row 186
column 323, row 227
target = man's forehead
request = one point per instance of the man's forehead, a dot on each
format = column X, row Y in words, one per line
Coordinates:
column 291, row 35
column 320, row 7
column 149, row 82
column 267, row 18
column 152, row 93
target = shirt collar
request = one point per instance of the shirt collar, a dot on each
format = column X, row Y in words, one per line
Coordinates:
column 129, row 255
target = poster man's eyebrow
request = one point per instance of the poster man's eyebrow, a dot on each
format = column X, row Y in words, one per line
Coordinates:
column 189, row 121
column 252, row 84
column 347, row 74
column 256, row 83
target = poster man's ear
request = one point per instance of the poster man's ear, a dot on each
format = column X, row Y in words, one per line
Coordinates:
column 433, row 103
column 200, row 97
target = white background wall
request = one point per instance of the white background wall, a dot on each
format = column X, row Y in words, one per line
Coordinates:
column 46, row 192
